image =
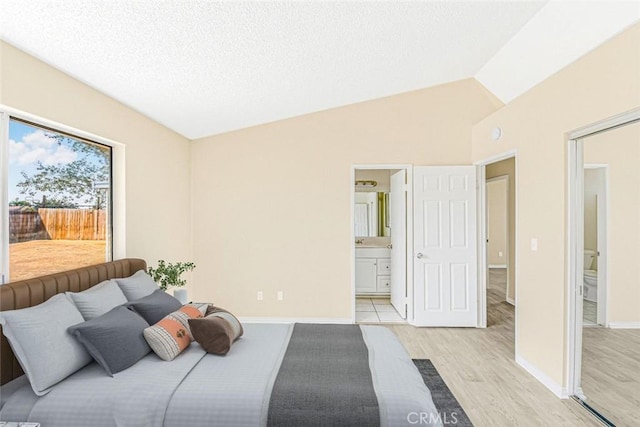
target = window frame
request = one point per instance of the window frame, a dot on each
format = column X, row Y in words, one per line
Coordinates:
column 117, row 228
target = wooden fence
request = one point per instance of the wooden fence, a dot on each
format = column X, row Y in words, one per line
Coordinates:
column 56, row 224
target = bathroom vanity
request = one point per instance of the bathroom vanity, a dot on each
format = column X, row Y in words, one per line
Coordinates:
column 373, row 270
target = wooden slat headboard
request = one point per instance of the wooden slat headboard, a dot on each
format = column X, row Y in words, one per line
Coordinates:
column 27, row 293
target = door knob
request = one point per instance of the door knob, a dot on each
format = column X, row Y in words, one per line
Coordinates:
column 419, row 255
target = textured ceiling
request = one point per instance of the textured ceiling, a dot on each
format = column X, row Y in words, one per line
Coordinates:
column 204, row 67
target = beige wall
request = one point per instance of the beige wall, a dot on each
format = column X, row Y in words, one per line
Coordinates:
column 287, row 224
column 620, row 150
column 497, row 222
column 601, row 84
column 507, row 167
column 157, row 159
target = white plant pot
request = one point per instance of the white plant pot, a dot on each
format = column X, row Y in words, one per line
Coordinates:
column 181, row 295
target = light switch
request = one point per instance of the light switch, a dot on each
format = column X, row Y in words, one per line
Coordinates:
column 534, row 244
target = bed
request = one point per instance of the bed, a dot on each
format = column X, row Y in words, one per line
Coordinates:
column 274, row 375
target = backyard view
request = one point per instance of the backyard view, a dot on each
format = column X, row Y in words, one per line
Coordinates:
column 29, row 259
column 59, row 196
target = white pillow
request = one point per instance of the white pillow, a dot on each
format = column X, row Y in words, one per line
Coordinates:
column 98, row 300
column 39, row 338
column 137, row 286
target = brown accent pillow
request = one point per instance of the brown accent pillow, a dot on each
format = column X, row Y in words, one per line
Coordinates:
column 217, row 331
column 214, row 334
column 226, row 315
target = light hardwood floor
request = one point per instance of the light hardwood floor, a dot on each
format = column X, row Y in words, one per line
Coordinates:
column 479, row 367
column 589, row 312
column 611, row 373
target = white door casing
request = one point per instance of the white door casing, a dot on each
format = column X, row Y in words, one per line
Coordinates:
column 398, row 224
column 445, row 247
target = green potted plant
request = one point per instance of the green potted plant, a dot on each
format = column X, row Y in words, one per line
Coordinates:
column 168, row 275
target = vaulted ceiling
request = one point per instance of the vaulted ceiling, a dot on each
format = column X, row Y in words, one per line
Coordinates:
column 205, row 67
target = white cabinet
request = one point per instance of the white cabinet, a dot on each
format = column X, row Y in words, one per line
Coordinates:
column 366, row 275
column 373, row 270
column 384, row 266
column 383, row 284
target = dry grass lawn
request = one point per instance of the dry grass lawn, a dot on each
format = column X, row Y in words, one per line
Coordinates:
column 39, row 257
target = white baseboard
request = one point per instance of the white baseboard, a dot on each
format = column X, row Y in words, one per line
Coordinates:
column 555, row 388
column 497, row 265
column 327, row 320
column 624, row 325
column 511, row 301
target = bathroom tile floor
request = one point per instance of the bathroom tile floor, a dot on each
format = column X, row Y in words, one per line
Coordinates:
column 376, row 310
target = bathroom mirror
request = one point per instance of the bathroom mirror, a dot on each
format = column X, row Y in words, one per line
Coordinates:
column 610, row 366
column 371, row 215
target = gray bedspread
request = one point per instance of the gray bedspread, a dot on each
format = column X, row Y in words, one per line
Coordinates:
column 199, row 389
column 232, row 390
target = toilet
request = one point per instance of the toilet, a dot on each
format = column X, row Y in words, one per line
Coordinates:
column 590, row 277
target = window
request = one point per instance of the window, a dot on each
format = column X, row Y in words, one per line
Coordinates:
column 58, row 188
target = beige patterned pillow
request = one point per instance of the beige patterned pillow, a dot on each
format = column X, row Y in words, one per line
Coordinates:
column 202, row 306
column 171, row 335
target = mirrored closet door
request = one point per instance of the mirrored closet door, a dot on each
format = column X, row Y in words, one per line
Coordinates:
column 609, row 365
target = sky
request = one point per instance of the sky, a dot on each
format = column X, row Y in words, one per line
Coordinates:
column 27, row 146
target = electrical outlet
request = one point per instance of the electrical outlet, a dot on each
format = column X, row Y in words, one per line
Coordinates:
column 500, row 253
column 280, row 295
column 260, row 296
column 534, row 244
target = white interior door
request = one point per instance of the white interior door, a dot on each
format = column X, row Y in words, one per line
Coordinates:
column 398, row 224
column 445, row 251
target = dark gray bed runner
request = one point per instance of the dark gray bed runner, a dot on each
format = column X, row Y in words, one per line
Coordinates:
column 324, row 380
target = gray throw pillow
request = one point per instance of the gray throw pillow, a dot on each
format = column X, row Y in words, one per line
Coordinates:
column 39, row 338
column 137, row 286
column 115, row 340
column 98, row 300
column 155, row 306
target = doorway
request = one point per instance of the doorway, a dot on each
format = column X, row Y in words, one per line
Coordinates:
column 498, row 225
column 435, row 282
column 500, row 187
column 498, row 231
column 380, row 230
